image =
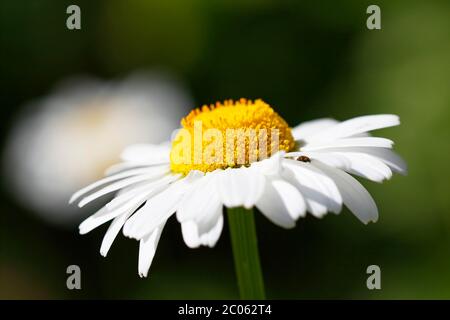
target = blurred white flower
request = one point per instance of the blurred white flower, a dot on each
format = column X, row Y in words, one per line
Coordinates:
column 67, row 139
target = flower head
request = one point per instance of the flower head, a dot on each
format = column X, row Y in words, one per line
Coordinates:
column 229, row 134
column 282, row 172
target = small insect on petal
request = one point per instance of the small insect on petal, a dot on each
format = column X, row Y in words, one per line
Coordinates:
column 303, row 159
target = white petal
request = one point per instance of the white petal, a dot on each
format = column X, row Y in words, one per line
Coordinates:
column 350, row 142
column 112, row 232
column 355, row 126
column 315, row 203
column 189, row 231
column 320, row 191
column 159, row 208
column 270, row 166
column 210, row 236
column 105, row 214
column 306, row 129
column 145, row 187
column 147, row 153
column 120, row 185
column 201, row 200
column 199, row 212
column 118, row 176
column 292, row 198
column 206, row 234
column 123, row 166
column 363, row 165
column 255, row 184
column 118, row 212
column 208, row 222
column 281, row 203
column 147, row 249
column 240, row 187
column 355, row 196
column 366, row 166
column 229, row 185
column 325, row 157
column 389, row 157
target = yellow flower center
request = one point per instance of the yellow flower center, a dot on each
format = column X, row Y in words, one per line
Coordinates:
column 229, row 134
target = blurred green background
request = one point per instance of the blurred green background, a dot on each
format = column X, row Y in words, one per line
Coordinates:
column 309, row 59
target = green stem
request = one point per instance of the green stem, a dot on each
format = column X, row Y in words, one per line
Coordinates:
column 245, row 251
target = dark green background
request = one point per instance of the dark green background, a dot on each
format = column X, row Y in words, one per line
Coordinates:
column 308, row 59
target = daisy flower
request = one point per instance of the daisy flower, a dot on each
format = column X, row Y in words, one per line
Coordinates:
column 283, row 172
column 88, row 119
